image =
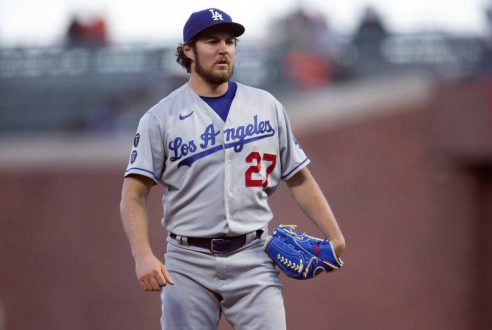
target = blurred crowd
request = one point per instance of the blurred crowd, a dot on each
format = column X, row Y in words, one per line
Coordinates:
column 301, row 51
column 312, row 54
column 87, row 33
column 307, row 52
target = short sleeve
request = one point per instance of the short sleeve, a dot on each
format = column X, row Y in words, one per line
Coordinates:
column 147, row 156
column 292, row 157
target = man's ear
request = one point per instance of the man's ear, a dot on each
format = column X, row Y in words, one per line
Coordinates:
column 188, row 51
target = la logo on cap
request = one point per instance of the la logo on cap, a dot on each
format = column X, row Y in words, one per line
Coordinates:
column 216, row 15
column 209, row 17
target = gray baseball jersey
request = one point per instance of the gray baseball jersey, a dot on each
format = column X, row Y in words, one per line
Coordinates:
column 218, row 174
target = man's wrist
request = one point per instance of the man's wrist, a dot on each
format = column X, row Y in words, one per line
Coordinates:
column 141, row 253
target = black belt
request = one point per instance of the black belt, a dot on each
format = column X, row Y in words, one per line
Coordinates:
column 219, row 244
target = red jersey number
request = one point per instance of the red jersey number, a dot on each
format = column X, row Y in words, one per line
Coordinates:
column 256, row 159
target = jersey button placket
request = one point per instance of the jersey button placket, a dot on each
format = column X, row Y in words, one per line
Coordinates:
column 227, row 182
column 229, row 163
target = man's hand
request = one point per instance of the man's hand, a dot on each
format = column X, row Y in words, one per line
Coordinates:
column 151, row 273
column 338, row 246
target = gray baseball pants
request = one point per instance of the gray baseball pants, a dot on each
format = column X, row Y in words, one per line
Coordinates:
column 243, row 285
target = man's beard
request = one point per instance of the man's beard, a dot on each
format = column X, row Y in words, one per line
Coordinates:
column 213, row 77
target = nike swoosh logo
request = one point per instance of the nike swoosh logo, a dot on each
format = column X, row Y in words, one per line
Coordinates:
column 183, row 117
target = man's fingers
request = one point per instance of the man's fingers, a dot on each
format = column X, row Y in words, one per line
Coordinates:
column 145, row 284
column 152, row 274
column 142, row 284
column 150, row 283
column 160, row 279
column 166, row 275
column 154, row 285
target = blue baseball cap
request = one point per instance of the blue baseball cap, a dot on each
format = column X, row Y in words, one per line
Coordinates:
column 206, row 18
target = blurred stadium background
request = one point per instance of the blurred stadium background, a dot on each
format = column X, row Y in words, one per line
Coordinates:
column 398, row 125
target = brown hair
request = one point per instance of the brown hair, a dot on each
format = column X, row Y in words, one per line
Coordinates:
column 181, row 57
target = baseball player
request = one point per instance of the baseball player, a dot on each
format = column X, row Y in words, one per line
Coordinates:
column 221, row 149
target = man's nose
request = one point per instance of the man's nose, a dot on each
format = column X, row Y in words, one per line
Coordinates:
column 223, row 48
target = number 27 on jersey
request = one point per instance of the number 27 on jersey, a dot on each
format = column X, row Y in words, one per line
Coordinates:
column 259, row 162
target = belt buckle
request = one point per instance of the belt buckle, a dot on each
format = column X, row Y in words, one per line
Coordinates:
column 212, row 244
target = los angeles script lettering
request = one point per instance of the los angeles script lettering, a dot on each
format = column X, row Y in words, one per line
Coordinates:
column 236, row 136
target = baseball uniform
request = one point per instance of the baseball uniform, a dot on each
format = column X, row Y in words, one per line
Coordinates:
column 218, row 177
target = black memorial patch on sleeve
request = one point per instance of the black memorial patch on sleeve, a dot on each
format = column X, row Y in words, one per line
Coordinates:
column 136, row 140
column 134, row 156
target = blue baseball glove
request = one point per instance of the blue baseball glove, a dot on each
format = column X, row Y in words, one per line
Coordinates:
column 300, row 256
